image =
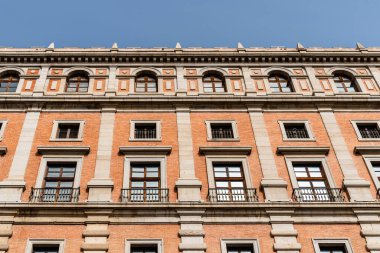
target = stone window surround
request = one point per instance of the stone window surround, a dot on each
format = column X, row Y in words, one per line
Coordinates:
column 307, row 126
column 54, row 131
column 144, row 158
column 2, row 130
column 322, row 159
column 32, row 242
column 368, row 159
column 132, row 130
column 360, row 138
column 234, row 129
column 46, row 159
column 253, row 242
column 210, row 159
column 333, row 242
column 130, row 242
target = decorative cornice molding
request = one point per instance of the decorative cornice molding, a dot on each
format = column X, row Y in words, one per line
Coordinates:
column 219, row 150
column 365, row 150
column 163, row 150
column 302, row 150
column 65, row 150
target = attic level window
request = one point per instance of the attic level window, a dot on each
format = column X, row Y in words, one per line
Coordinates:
column 296, row 131
column 222, row 131
column 213, row 82
column 369, row 130
column 146, row 82
column 68, row 130
column 78, row 82
column 344, row 83
column 280, row 83
column 145, row 131
column 9, row 82
column 45, row 249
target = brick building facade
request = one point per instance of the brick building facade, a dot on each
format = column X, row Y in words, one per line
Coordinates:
column 190, row 150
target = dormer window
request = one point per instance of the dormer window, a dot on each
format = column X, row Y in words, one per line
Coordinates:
column 146, row 81
column 345, row 83
column 213, row 82
column 280, row 83
column 9, row 81
column 77, row 82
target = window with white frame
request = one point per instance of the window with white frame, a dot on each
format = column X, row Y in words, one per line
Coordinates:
column 239, row 246
column 373, row 164
column 3, row 124
column 367, row 130
column 143, row 246
column 44, row 246
column 145, row 130
column 221, row 130
column 332, row 246
column 296, row 130
column 67, row 130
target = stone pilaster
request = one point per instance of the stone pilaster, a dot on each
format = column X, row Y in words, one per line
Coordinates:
column 191, row 231
column 249, row 85
column 7, row 219
column 369, row 221
column 357, row 187
column 96, row 233
column 12, row 187
column 181, row 82
column 40, row 83
column 112, row 83
column 283, row 232
column 274, row 186
column 317, row 88
column 100, row 187
column 188, row 186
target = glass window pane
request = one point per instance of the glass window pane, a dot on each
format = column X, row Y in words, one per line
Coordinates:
column 221, row 184
column 237, row 184
column 319, row 184
column 304, row 184
column 137, row 184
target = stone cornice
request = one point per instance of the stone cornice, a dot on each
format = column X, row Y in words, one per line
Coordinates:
column 51, row 150
column 291, row 150
column 164, row 150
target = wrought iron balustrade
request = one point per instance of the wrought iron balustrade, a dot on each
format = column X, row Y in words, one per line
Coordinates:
column 222, row 133
column 54, row 195
column 297, row 133
column 232, row 195
column 145, row 133
column 318, row 195
column 145, row 195
column 370, row 133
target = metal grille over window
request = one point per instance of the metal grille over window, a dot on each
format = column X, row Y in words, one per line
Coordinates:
column 296, row 131
column 213, row 82
column 333, row 249
column 78, row 82
column 230, row 185
column 9, row 81
column 222, row 131
column 368, row 131
column 280, row 83
column 68, row 131
column 239, row 249
column 45, row 249
column 145, row 184
column 146, row 82
column 145, row 131
column 143, row 249
column 58, row 184
column 344, row 83
column 313, row 186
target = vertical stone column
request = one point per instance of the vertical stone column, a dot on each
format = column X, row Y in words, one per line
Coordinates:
column 249, row 85
column 191, row 231
column 12, row 187
column 100, row 187
column 376, row 75
column 188, row 186
column 357, row 187
column 7, row 219
column 283, row 232
column 112, row 83
column 96, row 233
column 317, row 88
column 274, row 186
column 40, row 84
column 369, row 221
column 181, row 81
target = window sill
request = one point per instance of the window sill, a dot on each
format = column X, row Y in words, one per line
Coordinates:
column 300, row 140
column 368, row 139
column 224, row 140
column 145, row 140
column 66, row 140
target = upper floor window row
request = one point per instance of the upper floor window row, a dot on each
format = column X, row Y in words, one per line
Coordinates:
column 9, row 81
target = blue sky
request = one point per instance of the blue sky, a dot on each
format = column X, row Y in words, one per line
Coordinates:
column 194, row 23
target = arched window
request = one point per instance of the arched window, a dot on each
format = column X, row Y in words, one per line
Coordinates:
column 280, row 83
column 9, row 81
column 344, row 83
column 146, row 81
column 213, row 82
column 77, row 81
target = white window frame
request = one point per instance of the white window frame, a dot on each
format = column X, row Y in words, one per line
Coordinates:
column 307, row 127
column 210, row 159
column 233, row 125
column 368, row 159
column 54, row 132
column 144, row 158
column 309, row 159
column 130, row 242
column 333, row 242
column 356, row 128
column 225, row 242
column 2, row 130
column 132, row 129
column 33, row 242
column 46, row 159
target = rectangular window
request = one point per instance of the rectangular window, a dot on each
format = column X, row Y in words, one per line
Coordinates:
column 296, row 131
column 143, row 249
column 239, row 246
column 222, row 131
column 369, row 130
column 68, row 130
column 332, row 245
column 145, row 182
column 376, row 168
column 333, row 249
column 143, row 246
column 229, row 182
column 145, row 131
column 45, row 249
column 240, row 249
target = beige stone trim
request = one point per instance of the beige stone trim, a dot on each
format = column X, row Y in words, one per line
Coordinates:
column 56, row 123
column 254, row 242
column 130, row 242
column 225, row 150
column 233, row 125
column 2, row 129
column 356, row 128
column 368, row 159
column 298, row 150
column 366, row 150
column 91, row 247
column 32, row 242
column 307, row 127
column 129, row 150
column 332, row 242
column 133, row 125
column 63, row 150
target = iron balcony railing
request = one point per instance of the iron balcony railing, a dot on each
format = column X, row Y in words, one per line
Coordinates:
column 54, row 195
column 296, row 133
column 145, row 195
column 145, row 133
column 318, row 195
column 221, row 133
column 370, row 133
column 232, row 195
